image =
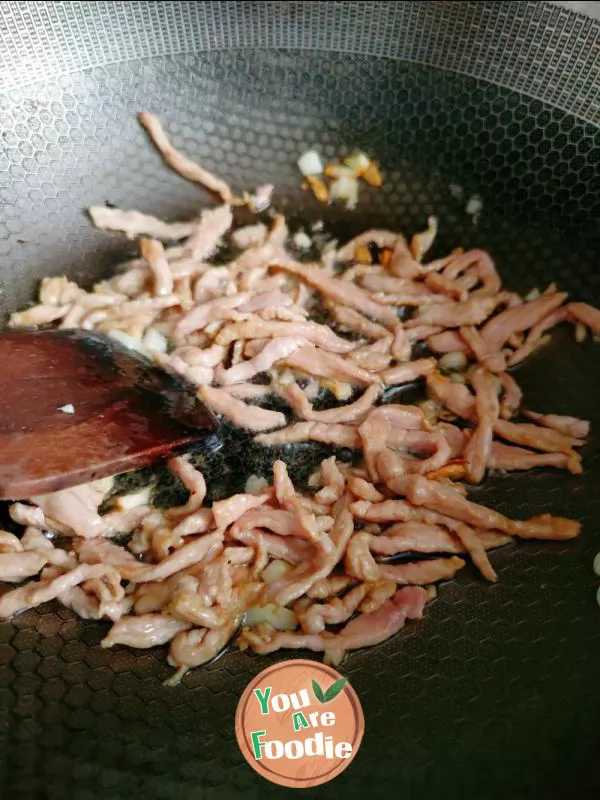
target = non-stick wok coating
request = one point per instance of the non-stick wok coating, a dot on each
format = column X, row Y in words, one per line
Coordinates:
column 495, row 693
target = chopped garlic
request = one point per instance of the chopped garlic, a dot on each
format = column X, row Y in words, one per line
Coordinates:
column 452, row 362
column 133, row 500
column 302, row 240
column 155, row 341
column 279, row 617
column 275, row 570
column 69, row 408
column 345, row 188
column 474, row 208
column 310, row 163
column 532, row 295
column 131, row 342
column 255, row 484
column 580, row 332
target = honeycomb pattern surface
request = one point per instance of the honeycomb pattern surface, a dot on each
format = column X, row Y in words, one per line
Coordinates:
column 495, row 692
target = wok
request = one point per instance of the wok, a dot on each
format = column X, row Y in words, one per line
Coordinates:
column 495, row 693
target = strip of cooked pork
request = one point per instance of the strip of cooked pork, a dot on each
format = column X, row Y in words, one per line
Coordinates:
column 353, row 413
column 180, row 163
column 134, row 223
column 568, row 426
column 487, row 409
column 252, row 418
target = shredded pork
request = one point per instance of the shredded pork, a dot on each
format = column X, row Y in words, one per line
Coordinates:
column 281, row 564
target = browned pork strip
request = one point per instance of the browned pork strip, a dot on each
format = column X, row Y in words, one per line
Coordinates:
column 448, row 342
column 154, row 254
column 35, row 593
column 232, row 508
column 16, row 566
column 386, row 284
column 568, row 426
column 446, row 500
column 455, row 315
column 275, row 350
column 403, row 265
column 353, row 413
column 498, row 330
column 408, row 372
column 328, row 552
column 536, row 437
column 180, row 163
column 339, row 435
column 535, row 337
column 490, row 280
column 147, row 630
column 508, row 458
column 351, row 320
column 380, row 237
column 205, row 313
column 314, row 618
column 365, row 630
column 364, row 490
column 587, row 314
column 252, row 418
column 495, row 362
column 316, row 362
column 205, row 238
column 134, row 223
column 415, row 537
column 454, row 396
column 478, row 448
column 420, row 573
column 256, row 328
column 511, row 397
column 343, row 292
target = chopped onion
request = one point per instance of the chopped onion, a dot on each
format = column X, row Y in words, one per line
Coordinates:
column 279, row 617
column 69, row 408
column 275, row 570
column 133, row 500
column 155, row 341
column 453, row 362
column 597, row 564
column 310, row 163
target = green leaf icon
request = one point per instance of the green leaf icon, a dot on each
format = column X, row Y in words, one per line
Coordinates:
column 335, row 688
column 318, row 692
column 331, row 693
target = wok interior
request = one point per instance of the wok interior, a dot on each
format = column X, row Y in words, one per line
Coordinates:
column 485, row 662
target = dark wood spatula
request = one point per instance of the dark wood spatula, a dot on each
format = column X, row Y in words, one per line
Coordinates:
column 77, row 406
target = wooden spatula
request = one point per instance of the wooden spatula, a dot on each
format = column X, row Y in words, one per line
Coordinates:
column 77, row 406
